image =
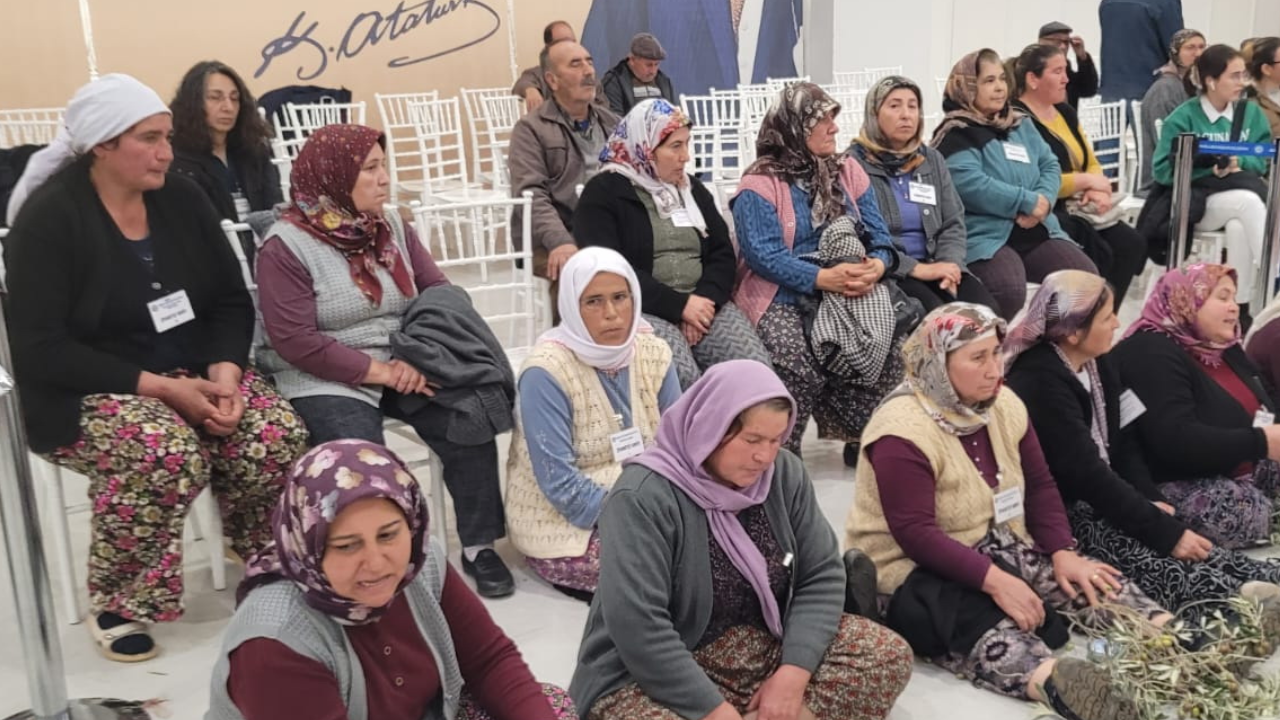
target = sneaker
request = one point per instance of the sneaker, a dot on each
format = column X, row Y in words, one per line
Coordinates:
column 493, row 579
column 860, row 585
column 1081, row 689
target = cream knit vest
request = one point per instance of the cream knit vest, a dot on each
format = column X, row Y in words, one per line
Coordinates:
column 536, row 528
column 963, row 500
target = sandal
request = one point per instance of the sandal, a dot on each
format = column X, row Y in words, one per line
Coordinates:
column 116, row 641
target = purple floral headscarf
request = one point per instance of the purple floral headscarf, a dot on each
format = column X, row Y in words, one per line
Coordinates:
column 323, row 483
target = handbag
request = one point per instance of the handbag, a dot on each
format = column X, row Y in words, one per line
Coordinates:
column 1089, row 211
column 907, row 311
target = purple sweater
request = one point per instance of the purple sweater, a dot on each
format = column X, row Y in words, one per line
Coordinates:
column 907, row 495
column 287, row 299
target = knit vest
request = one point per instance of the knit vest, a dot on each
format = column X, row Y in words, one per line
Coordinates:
column 963, row 506
column 342, row 312
column 279, row 612
column 753, row 293
column 536, row 528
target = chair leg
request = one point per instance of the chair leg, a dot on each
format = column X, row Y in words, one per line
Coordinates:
column 205, row 512
column 56, row 508
column 439, row 509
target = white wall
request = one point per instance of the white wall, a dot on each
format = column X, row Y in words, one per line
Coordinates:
column 926, row 37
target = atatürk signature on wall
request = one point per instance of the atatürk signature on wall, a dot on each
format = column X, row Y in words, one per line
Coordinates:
column 368, row 29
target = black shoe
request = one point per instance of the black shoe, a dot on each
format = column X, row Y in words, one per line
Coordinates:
column 575, row 593
column 851, row 454
column 493, row 579
column 860, row 585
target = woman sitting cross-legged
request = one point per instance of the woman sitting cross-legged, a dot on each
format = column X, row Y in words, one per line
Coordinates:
column 1058, row 364
column 355, row 613
column 720, row 583
column 1206, row 427
column 589, row 397
column 664, row 222
column 955, row 506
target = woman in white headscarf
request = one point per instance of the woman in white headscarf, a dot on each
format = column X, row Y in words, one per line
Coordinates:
column 589, row 397
column 130, row 327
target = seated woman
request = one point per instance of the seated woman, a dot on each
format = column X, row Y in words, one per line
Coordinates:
column 1227, row 195
column 130, row 327
column 1165, row 95
column 916, row 197
column 977, row 557
column 355, row 612
column 1206, row 423
column 720, row 581
column 1265, row 90
column 1117, row 250
column 336, row 277
column 787, row 198
column 1008, row 179
column 1057, row 361
column 665, row 223
column 220, row 141
column 589, row 397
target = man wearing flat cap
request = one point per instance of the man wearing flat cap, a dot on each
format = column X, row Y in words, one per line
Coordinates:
column 1082, row 82
column 637, row 77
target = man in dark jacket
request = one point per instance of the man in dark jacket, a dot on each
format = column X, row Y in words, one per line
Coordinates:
column 637, row 76
column 1135, row 42
column 1083, row 81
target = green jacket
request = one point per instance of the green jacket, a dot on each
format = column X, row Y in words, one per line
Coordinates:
column 654, row 599
column 1190, row 117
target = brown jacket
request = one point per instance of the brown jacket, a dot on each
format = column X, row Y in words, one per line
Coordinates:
column 1269, row 109
column 544, row 158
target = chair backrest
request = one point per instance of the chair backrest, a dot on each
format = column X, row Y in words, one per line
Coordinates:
column 437, row 126
column 501, row 114
column 295, row 123
column 864, row 79
column 482, row 163
column 713, row 142
column 232, row 232
column 941, row 83
column 1104, row 124
column 472, row 243
column 754, row 102
column 1135, row 172
column 33, row 126
column 779, row 84
column 849, row 124
column 403, row 160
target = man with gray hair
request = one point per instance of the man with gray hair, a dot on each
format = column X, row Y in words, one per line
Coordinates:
column 637, row 76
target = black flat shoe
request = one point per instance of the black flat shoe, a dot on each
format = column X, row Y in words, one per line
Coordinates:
column 851, row 454
column 860, row 585
column 493, row 579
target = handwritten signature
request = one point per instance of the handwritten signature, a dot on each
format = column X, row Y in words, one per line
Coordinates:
column 368, row 29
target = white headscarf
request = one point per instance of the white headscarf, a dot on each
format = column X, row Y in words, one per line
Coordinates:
column 102, row 110
column 629, row 152
column 572, row 331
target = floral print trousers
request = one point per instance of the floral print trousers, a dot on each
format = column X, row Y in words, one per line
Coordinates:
column 146, row 465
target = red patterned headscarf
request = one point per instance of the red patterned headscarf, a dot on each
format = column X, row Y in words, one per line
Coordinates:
column 1173, row 306
column 322, row 180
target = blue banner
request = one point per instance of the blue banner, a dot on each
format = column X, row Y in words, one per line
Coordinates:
column 1209, row 147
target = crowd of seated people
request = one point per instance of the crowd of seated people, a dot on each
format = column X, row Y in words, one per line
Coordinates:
column 1012, row 473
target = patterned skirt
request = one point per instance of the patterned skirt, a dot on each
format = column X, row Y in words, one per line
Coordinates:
column 1232, row 512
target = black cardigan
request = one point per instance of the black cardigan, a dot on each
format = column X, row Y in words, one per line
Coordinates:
column 1062, row 412
column 259, row 180
column 78, row 320
column 610, row 214
column 1192, row 427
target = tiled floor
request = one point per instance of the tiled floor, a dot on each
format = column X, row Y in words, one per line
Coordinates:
column 545, row 625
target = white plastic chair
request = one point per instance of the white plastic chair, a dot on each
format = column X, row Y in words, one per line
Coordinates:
column 437, row 126
column 780, row 84
column 716, row 128
column 484, row 162
column 33, row 126
column 295, row 123
column 404, row 163
column 1106, row 123
column 754, row 102
column 864, row 79
column 501, row 114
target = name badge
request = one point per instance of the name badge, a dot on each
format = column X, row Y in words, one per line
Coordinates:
column 1008, row 505
column 242, row 207
column 1131, row 408
column 626, row 444
column 1016, row 153
column 1263, row 418
column 171, row 311
column 922, row 193
column 680, row 218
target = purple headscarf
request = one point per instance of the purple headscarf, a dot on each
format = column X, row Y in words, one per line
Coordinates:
column 690, row 431
column 323, row 483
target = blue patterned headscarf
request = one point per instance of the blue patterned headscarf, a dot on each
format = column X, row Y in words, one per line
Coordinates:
column 324, row 482
column 630, row 150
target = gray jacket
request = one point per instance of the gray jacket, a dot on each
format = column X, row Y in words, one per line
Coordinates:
column 654, row 598
column 1163, row 97
column 544, row 158
column 943, row 223
column 444, row 337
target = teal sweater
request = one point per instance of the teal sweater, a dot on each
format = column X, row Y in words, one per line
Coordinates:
column 1190, row 117
column 995, row 189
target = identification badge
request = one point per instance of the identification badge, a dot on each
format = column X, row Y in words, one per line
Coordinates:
column 1016, row 153
column 1008, row 505
column 1131, row 408
column 922, row 193
column 1263, row 418
column 171, row 311
column 242, row 207
column 680, row 218
column 626, row 444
